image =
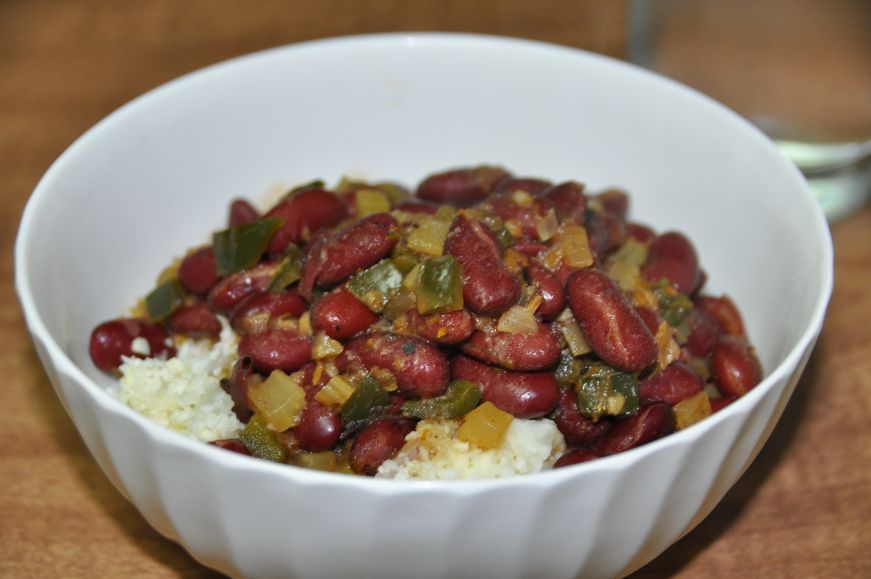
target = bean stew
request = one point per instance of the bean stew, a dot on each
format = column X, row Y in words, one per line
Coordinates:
column 484, row 297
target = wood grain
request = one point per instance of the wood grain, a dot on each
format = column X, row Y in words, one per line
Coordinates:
column 802, row 510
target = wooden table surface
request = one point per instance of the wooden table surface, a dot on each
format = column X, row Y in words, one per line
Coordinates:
column 802, row 510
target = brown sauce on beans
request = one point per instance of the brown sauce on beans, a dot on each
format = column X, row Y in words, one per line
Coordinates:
column 373, row 299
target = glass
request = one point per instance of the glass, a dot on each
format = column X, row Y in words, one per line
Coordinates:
column 798, row 69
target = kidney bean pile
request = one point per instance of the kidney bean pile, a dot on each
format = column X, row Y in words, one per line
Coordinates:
column 376, row 308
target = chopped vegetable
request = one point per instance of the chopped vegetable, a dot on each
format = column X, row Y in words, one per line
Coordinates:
column 485, row 426
column 304, row 324
column 366, row 400
column 604, row 391
column 547, row 226
column 336, row 392
column 518, row 320
column 689, row 411
column 326, row 460
column 439, row 285
column 280, row 399
column 573, row 334
column 400, row 302
column 568, row 370
column 576, row 246
column 673, row 305
column 429, row 236
column 239, row 248
column 288, row 271
column 164, row 300
column 261, row 441
column 324, row 347
column 374, row 285
column 461, row 397
column 667, row 349
column 404, row 260
column 369, row 201
column 624, row 265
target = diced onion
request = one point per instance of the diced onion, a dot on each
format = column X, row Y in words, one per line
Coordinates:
column 336, row 392
column 518, row 320
column 429, row 236
column 324, row 346
column 693, row 409
column 305, row 324
column 485, row 426
column 576, row 246
column 667, row 349
column 547, row 226
column 369, row 201
column 280, row 399
column 575, row 338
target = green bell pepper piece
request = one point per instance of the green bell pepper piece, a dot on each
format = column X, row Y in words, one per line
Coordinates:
column 262, row 442
column 439, row 285
column 461, row 397
column 604, row 391
column 373, row 285
column 239, row 248
column 164, row 300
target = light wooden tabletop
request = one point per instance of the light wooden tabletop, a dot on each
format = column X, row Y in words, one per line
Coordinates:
column 802, row 510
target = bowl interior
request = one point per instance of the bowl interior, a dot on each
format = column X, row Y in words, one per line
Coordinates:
column 156, row 177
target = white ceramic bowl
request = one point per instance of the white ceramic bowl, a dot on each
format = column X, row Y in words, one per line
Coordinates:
column 155, row 178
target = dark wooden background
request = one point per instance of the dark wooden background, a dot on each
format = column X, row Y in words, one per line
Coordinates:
column 802, row 510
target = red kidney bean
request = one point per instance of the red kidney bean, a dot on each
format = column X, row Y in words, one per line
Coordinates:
column 718, row 404
column 563, row 271
column 462, row 187
column 195, row 319
column 197, row 272
column 358, row 246
column 488, row 287
column 576, row 456
column 522, row 394
column 527, row 216
column 309, row 384
column 270, row 304
column 237, row 387
column 551, row 290
column 242, row 213
column 569, row 200
column 677, row 382
column 378, row 442
column 420, row 369
column 612, row 326
column 319, row 428
column 615, row 202
column 234, row 289
column 723, row 310
column 651, row 318
column 232, row 444
column 651, row 422
column 640, row 233
column 734, row 366
column 704, row 333
column 418, row 207
column 276, row 350
column 530, row 248
column 304, row 213
column 341, row 315
column 448, row 328
column 673, row 257
column 606, row 232
column 113, row 339
column 531, row 185
column 577, row 429
column 514, row 351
